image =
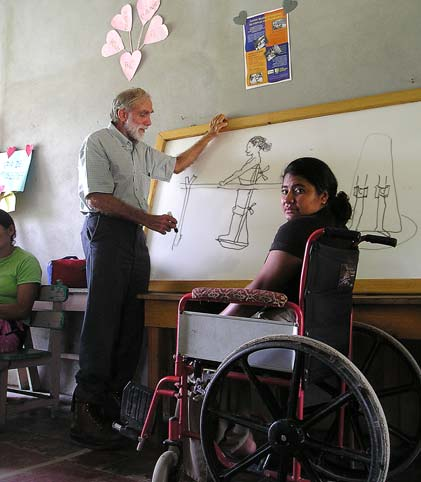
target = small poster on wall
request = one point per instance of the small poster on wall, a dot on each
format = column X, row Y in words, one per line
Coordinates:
column 266, row 49
column 14, row 166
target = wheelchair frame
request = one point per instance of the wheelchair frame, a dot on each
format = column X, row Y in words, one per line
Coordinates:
column 287, row 337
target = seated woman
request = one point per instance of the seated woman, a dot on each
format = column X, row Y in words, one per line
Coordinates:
column 310, row 200
column 20, row 278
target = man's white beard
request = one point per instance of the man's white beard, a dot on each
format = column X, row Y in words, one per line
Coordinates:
column 133, row 131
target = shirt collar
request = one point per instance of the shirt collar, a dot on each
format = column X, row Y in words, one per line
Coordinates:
column 124, row 141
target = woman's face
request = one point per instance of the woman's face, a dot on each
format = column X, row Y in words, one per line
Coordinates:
column 300, row 198
column 251, row 150
column 6, row 237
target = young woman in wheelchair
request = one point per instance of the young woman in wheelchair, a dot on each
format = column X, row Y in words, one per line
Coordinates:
column 310, row 200
column 20, row 278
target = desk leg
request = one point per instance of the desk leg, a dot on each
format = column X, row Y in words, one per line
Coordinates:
column 154, row 349
column 161, row 347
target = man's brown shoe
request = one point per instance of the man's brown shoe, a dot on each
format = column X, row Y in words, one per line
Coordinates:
column 90, row 428
column 112, row 406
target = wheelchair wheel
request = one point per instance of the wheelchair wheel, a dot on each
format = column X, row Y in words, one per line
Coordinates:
column 396, row 378
column 168, row 466
column 341, row 434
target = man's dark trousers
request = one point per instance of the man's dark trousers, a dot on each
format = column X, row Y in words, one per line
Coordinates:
column 118, row 268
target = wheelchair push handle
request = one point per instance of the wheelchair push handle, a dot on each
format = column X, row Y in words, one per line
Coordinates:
column 373, row 238
column 358, row 238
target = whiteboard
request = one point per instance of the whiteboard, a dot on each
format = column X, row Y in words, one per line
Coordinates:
column 228, row 203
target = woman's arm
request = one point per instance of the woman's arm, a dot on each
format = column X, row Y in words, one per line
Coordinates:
column 236, row 174
column 26, row 295
column 279, row 269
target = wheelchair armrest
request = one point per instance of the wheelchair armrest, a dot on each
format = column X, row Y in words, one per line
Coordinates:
column 240, row 295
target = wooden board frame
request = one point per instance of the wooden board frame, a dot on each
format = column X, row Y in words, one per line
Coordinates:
column 365, row 286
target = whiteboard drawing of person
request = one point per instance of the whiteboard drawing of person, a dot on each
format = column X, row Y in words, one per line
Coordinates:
column 248, row 176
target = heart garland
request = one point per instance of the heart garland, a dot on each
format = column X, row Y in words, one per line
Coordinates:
column 157, row 31
column 123, row 22
column 146, row 9
column 241, row 18
column 10, row 151
column 113, row 44
column 289, row 5
column 130, row 62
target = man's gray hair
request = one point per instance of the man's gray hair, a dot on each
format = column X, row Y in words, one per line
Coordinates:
column 125, row 100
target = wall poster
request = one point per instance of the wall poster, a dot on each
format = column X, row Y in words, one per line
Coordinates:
column 266, row 49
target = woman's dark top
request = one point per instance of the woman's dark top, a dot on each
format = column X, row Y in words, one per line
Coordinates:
column 292, row 238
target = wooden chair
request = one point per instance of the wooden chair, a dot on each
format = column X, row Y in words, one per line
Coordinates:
column 48, row 315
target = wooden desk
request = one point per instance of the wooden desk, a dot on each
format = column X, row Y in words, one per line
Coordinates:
column 399, row 315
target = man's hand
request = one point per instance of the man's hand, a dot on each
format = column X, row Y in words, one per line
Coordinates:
column 186, row 158
column 161, row 223
column 218, row 123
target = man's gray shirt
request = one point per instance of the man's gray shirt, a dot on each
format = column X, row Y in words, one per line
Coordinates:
column 110, row 163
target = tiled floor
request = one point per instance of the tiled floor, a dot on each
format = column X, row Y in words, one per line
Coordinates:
column 36, row 448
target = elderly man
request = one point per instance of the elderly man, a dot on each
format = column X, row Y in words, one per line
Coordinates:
column 115, row 169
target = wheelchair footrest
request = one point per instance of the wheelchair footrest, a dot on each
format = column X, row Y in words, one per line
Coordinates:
column 135, row 405
column 126, row 431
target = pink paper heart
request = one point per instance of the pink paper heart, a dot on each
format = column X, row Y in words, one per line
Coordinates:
column 146, row 9
column 123, row 20
column 28, row 149
column 113, row 44
column 157, row 31
column 2, row 188
column 129, row 63
column 10, row 151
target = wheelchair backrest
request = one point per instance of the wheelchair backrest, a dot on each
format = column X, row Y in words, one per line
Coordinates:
column 328, row 277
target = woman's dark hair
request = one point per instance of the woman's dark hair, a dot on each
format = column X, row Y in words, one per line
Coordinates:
column 319, row 174
column 6, row 221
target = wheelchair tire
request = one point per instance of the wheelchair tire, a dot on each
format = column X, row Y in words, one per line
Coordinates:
column 324, row 447
column 168, row 466
column 398, row 389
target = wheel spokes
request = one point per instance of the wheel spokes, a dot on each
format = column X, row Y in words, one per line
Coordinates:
column 401, row 436
column 295, row 385
column 326, row 410
column 263, row 390
column 310, row 469
column 340, row 452
column 366, row 365
column 261, row 452
column 239, row 420
column 392, row 391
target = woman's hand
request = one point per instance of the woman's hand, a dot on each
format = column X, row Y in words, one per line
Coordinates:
column 27, row 293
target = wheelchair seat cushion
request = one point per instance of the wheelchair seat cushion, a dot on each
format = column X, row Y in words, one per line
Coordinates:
column 241, row 295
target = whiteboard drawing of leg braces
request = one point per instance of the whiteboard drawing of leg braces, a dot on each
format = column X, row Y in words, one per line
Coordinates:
column 188, row 182
column 374, row 195
column 244, row 181
column 238, row 234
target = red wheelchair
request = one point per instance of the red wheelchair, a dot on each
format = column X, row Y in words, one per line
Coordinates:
column 310, row 392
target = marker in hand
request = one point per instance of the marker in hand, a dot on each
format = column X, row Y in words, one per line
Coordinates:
column 170, row 214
